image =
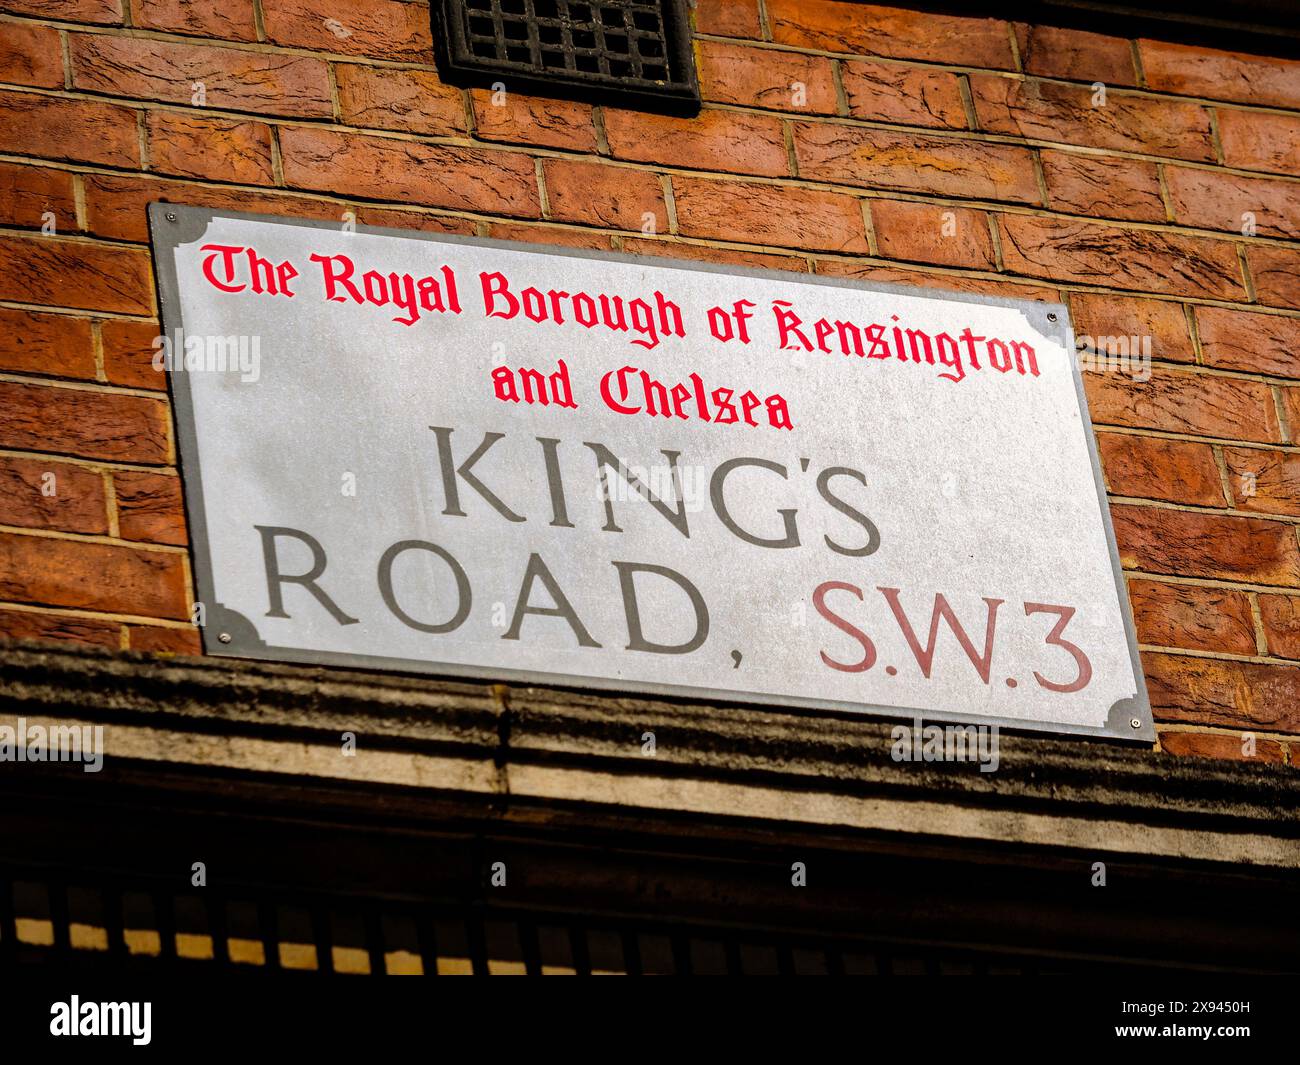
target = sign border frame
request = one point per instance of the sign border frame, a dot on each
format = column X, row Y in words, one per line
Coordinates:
column 228, row 634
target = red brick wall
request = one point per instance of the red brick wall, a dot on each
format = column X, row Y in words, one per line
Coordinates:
column 1131, row 212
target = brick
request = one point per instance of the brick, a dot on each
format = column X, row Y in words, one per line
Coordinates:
column 55, row 344
column 149, row 507
column 763, row 77
column 92, row 576
column 85, row 423
column 1218, row 745
column 667, row 249
column 129, row 352
column 66, row 273
column 910, row 96
column 40, row 493
column 1189, row 70
column 105, row 12
column 383, row 29
column 463, row 179
column 1172, row 471
column 1104, row 317
column 1193, row 618
column 214, row 148
column 557, row 235
column 1291, row 401
column 518, row 119
column 116, row 205
column 769, row 214
column 28, row 192
column 1103, row 186
column 728, row 18
column 1209, row 691
column 612, row 196
column 1249, row 341
column 1258, row 140
column 1046, row 110
column 932, row 233
column 1276, row 273
column 729, row 141
column 1145, row 260
column 58, row 628
column 942, row 166
column 164, row 640
column 231, row 20
column 1212, row 199
column 1177, row 402
column 1075, row 55
column 1264, row 481
column 414, row 101
column 1280, row 615
column 836, row 26
column 418, row 220
column 235, row 78
column 80, row 131
column 31, row 55
column 882, row 272
column 1195, row 544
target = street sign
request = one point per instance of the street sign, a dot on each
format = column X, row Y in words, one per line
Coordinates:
column 459, row 456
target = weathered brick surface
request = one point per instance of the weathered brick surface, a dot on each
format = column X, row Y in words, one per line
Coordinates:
column 1048, row 110
column 90, row 575
column 1280, row 615
column 232, row 78
column 82, row 131
column 89, row 424
column 602, row 195
column 59, row 345
column 1102, row 187
column 413, row 101
column 1177, row 402
column 837, row 26
column 1151, row 467
column 58, row 628
column 769, row 214
column 1265, row 481
column 1192, row 617
column 230, row 20
column 149, row 507
column 514, row 118
column 909, row 96
column 215, row 148
column 877, row 158
column 922, row 232
column 1219, row 745
column 30, row 194
column 1186, row 543
column 844, row 139
column 42, row 493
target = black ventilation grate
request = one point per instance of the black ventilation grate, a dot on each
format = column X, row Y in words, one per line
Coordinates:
column 633, row 53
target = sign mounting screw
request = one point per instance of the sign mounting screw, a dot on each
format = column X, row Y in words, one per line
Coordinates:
column 1135, row 723
column 225, row 638
column 1051, row 315
column 171, row 216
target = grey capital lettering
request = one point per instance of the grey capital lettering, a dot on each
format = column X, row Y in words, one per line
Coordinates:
column 450, row 471
column 873, row 534
column 464, row 595
column 275, row 579
column 605, row 459
column 717, row 484
column 636, row 640
column 538, row 571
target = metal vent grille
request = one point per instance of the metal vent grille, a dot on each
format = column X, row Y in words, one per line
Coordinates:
column 630, row 52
